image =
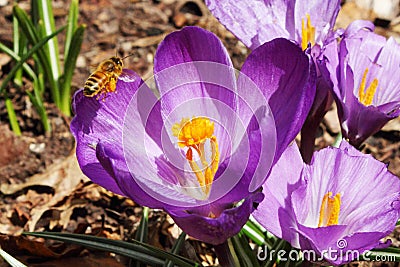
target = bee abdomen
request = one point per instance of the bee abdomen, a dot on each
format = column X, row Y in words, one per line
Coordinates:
column 94, row 83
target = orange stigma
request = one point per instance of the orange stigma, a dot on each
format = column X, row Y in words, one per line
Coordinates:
column 194, row 134
column 366, row 96
column 307, row 32
column 330, row 210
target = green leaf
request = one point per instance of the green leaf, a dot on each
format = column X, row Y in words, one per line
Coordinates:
column 134, row 249
column 254, row 233
column 17, row 58
column 176, row 248
column 69, row 67
column 17, row 41
column 142, row 231
column 10, row 259
column 338, row 140
column 36, row 99
column 12, row 117
column 245, row 254
column 34, row 39
column 253, row 230
column 46, row 16
column 279, row 245
column 33, row 50
column 35, row 12
column 38, row 104
column 72, row 24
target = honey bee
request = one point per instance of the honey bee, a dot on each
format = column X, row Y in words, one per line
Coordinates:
column 104, row 79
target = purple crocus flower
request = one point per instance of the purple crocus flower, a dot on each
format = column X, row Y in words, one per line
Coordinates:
column 208, row 141
column 365, row 70
column 336, row 208
column 259, row 21
column 307, row 22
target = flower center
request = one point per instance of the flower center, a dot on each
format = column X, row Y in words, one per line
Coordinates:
column 307, row 32
column 329, row 211
column 194, row 134
column 366, row 96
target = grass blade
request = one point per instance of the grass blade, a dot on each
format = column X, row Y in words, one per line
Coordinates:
column 176, row 248
column 38, row 104
column 10, row 259
column 245, row 254
column 134, row 249
column 12, row 117
column 254, row 233
column 272, row 259
column 36, row 99
column 33, row 50
column 17, row 41
column 17, row 58
column 34, row 12
column 142, row 232
column 69, row 67
column 46, row 16
column 34, row 39
column 72, row 24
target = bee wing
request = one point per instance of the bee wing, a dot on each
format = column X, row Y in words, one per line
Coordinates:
column 126, row 76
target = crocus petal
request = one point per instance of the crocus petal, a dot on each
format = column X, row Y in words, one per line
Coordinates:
column 286, row 77
column 108, row 154
column 195, row 77
column 334, row 247
column 369, row 197
column 160, row 167
column 275, row 214
column 322, row 14
column 216, row 230
column 253, row 22
column 154, row 161
column 191, row 45
column 389, row 56
column 357, row 25
column 345, row 170
column 322, row 103
column 364, row 53
column 101, row 120
column 361, row 121
column 257, row 22
column 251, row 161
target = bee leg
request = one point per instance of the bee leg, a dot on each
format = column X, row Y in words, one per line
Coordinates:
column 112, row 85
column 105, row 95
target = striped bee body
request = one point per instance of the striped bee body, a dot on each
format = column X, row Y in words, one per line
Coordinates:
column 104, row 79
column 99, row 82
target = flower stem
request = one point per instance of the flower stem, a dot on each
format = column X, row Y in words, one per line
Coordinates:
column 308, row 136
column 338, row 140
column 226, row 254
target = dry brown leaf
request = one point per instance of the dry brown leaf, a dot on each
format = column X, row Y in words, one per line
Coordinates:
column 23, row 244
column 393, row 125
column 148, row 41
column 63, row 177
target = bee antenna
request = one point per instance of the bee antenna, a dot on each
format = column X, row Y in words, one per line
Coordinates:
column 127, row 56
